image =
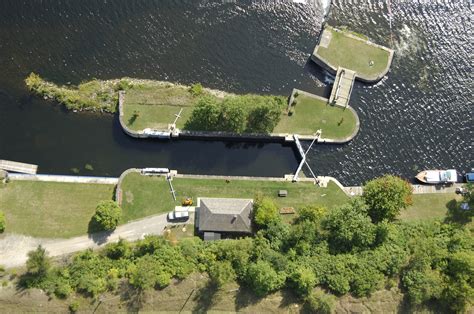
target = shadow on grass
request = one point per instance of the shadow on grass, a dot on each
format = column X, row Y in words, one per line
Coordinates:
column 245, row 297
column 205, row 298
column 456, row 214
column 134, row 298
column 96, row 233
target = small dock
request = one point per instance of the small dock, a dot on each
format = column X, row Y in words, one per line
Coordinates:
column 342, row 89
column 15, row 166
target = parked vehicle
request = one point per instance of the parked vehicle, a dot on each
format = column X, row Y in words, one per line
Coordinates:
column 178, row 216
column 469, row 177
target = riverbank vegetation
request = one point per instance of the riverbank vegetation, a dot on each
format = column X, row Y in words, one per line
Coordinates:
column 323, row 254
column 354, row 54
column 51, row 209
column 95, row 95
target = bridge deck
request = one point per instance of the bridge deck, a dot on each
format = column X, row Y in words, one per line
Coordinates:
column 18, row 167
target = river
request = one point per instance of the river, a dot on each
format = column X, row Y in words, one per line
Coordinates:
column 419, row 116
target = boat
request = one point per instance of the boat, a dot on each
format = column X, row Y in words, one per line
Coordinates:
column 438, row 176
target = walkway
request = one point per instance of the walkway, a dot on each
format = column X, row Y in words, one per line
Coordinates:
column 14, row 248
column 64, row 178
column 342, row 89
column 18, row 166
column 417, row 189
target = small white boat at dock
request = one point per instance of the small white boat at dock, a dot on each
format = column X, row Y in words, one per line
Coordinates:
column 438, row 176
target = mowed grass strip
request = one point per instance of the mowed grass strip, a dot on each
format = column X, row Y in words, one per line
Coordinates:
column 145, row 196
column 51, row 209
column 312, row 114
column 429, row 206
column 353, row 54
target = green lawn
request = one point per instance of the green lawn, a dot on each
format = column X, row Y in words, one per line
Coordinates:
column 50, row 209
column 354, row 54
column 312, row 114
column 428, row 206
column 156, row 106
column 144, row 196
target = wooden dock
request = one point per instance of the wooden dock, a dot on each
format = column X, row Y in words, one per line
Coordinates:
column 18, row 167
column 342, row 89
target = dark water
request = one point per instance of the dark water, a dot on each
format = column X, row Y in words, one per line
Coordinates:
column 418, row 117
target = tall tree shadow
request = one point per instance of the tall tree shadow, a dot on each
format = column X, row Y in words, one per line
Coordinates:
column 456, row 214
column 205, row 298
column 245, row 297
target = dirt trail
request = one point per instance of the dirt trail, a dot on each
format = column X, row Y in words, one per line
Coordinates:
column 14, row 248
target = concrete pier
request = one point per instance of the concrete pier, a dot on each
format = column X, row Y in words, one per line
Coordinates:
column 341, row 92
column 18, row 167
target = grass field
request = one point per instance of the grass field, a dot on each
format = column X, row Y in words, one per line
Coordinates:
column 429, row 206
column 144, row 196
column 312, row 114
column 354, row 54
column 50, row 209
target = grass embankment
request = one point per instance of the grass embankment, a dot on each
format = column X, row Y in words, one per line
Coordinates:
column 144, row 195
column 312, row 114
column 51, row 209
column 429, row 206
column 95, row 95
column 354, row 54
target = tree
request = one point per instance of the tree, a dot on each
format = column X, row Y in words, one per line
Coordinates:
column 232, row 117
column 311, row 213
column 302, row 280
column 38, row 263
column 386, row 196
column 263, row 279
column 265, row 211
column 221, row 272
column 205, row 115
column 263, row 118
column 459, row 290
column 320, row 302
column 349, row 227
column 107, row 215
column 2, row 222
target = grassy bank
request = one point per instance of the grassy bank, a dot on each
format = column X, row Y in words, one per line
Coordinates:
column 51, row 209
column 144, row 196
column 429, row 206
column 312, row 114
column 354, row 54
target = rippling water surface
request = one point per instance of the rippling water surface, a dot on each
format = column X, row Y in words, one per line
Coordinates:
column 420, row 116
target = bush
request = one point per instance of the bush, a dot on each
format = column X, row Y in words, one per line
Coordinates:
column 3, row 222
column 302, row 280
column 263, row 279
column 265, row 211
column 74, row 306
column 196, row 89
column 221, row 273
column 386, row 196
column 107, row 215
column 38, row 263
column 320, row 302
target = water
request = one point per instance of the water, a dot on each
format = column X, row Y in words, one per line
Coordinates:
column 419, row 117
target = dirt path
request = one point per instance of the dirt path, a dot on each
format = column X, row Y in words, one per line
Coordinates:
column 14, row 248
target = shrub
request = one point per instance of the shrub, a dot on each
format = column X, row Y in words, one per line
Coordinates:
column 3, row 222
column 386, row 196
column 302, row 280
column 74, row 306
column 38, row 263
column 221, row 273
column 196, row 89
column 320, row 302
column 263, row 279
column 107, row 215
